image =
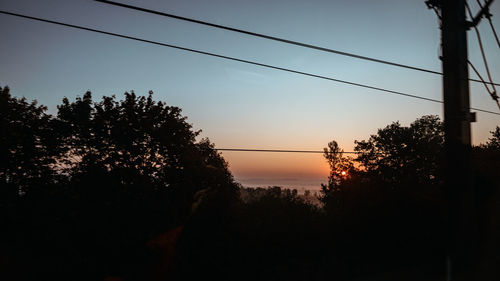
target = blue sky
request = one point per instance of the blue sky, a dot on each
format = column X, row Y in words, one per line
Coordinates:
column 238, row 105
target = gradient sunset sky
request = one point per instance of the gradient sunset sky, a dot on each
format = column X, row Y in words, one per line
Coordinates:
column 244, row 106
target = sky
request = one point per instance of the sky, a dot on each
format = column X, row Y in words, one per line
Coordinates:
column 245, row 106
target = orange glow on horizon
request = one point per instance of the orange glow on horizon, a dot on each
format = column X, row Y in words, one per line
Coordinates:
column 244, row 164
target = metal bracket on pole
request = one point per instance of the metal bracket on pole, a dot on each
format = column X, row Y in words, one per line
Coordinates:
column 471, row 117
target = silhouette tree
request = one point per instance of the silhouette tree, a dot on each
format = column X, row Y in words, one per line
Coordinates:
column 375, row 220
column 138, row 141
column 398, row 154
column 341, row 169
column 494, row 141
column 27, row 145
column 99, row 181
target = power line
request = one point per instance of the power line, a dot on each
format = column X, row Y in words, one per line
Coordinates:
column 278, row 39
column 481, row 47
column 237, row 59
column 280, row 150
column 494, row 32
column 479, row 75
column 493, row 94
column 488, row 16
column 285, row 151
column 273, row 150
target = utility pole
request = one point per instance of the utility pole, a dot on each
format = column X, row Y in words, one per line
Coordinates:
column 462, row 226
column 457, row 118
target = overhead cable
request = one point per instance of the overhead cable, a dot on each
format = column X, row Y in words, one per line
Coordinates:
column 493, row 94
column 273, row 150
column 282, row 150
column 488, row 16
column 494, row 32
column 283, row 40
column 238, row 60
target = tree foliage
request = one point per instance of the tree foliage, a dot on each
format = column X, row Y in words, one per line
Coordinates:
column 398, row 154
column 341, row 170
column 494, row 141
column 138, row 140
column 105, row 180
column 91, row 185
column 28, row 145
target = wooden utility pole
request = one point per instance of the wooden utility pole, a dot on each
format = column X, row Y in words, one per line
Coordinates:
column 457, row 118
column 462, row 225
